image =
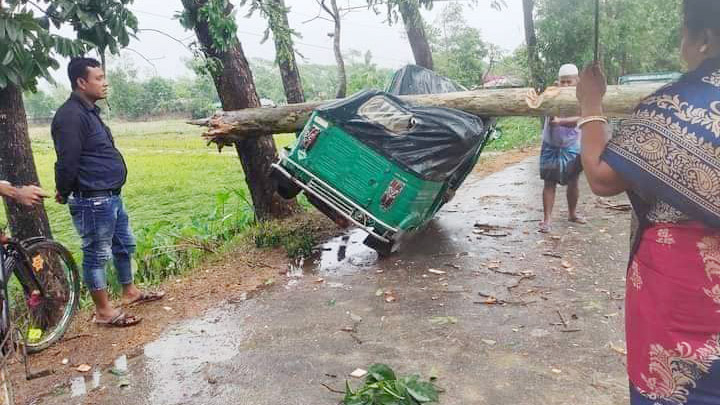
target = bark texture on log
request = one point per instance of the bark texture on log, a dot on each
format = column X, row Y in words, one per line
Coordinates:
column 18, row 166
column 236, row 89
column 228, row 126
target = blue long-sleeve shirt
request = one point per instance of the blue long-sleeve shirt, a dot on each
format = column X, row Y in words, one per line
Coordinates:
column 87, row 159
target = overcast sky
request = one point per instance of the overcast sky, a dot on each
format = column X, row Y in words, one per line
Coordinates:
column 362, row 30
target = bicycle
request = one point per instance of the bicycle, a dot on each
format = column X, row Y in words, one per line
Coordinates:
column 36, row 308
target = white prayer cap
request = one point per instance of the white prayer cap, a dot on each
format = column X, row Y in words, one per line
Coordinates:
column 568, row 70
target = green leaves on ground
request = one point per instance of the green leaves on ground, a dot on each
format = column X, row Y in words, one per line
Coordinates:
column 382, row 387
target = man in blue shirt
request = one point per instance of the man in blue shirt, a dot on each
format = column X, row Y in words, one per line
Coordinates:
column 89, row 175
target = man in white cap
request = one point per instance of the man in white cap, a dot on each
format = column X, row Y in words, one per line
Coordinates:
column 560, row 156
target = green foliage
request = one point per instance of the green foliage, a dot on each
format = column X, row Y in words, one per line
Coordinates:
column 275, row 12
column 39, row 104
column 221, row 23
column 28, row 49
column 167, row 249
column 637, row 36
column 297, row 239
column 458, row 49
column 363, row 74
column 392, row 7
column 320, row 81
column 516, row 133
column 219, row 16
column 382, row 387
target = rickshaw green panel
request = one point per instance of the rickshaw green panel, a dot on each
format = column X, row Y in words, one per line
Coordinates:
column 362, row 175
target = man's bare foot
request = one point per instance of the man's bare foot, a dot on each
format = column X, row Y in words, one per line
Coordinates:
column 544, row 227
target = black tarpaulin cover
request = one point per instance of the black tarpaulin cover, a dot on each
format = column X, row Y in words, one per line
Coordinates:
column 413, row 79
column 437, row 144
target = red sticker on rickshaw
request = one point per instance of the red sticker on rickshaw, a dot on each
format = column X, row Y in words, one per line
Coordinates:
column 391, row 193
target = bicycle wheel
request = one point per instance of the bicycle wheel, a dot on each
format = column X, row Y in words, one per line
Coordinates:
column 44, row 301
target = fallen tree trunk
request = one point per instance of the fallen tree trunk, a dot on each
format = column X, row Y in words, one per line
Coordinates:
column 228, row 126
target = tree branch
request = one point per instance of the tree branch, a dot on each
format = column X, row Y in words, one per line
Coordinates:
column 149, row 61
column 167, row 35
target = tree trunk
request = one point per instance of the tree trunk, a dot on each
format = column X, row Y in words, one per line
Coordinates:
column 415, row 30
column 18, row 166
column 536, row 76
column 286, row 56
column 228, row 126
column 236, row 89
column 341, row 74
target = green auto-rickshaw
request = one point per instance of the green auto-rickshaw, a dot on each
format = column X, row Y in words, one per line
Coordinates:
column 376, row 162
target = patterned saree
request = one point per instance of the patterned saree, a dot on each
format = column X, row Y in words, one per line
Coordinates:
column 669, row 151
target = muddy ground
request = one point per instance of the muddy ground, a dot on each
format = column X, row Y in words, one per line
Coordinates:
column 501, row 313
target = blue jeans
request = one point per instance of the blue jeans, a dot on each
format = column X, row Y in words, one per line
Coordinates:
column 104, row 227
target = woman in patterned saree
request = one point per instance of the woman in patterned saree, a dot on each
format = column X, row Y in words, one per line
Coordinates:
column 667, row 158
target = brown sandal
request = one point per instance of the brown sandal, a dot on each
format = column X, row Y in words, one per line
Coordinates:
column 121, row 320
column 146, row 297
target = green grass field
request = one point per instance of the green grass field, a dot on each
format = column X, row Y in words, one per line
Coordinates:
column 172, row 173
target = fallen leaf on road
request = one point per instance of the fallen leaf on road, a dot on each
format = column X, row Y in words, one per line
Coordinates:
column 556, row 371
column 358, row 373
column 83, row 368
column 620, row 350
column 436, row 271
column 320, row 280
column 443, row 320
column 379, row 292
column 65, row 362
column 390, row 296
column 566, row 264
column 167, row 308
column 489, row 342
column 614, row 314
column 434, row 374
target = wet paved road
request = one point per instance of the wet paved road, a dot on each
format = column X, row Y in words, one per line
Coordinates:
column 557, row 339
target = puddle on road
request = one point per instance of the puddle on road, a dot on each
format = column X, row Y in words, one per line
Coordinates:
column 345, row 254
column 176, row 362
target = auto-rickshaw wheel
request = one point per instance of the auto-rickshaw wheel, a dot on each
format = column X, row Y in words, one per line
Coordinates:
column 383, row 248
column 285, row 187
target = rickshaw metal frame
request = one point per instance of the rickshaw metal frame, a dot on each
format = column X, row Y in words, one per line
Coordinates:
column 334, row 194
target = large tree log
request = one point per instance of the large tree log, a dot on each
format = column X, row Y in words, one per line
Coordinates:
column 229, row 126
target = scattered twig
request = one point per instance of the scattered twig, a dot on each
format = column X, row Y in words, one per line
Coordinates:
column 78, row 336
column 562, row 318
column 614, row 207
column 571, row 330
column 520, row 280
column 493, row 300
column 507, row 273
column 331, row 389
column 553, row 254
